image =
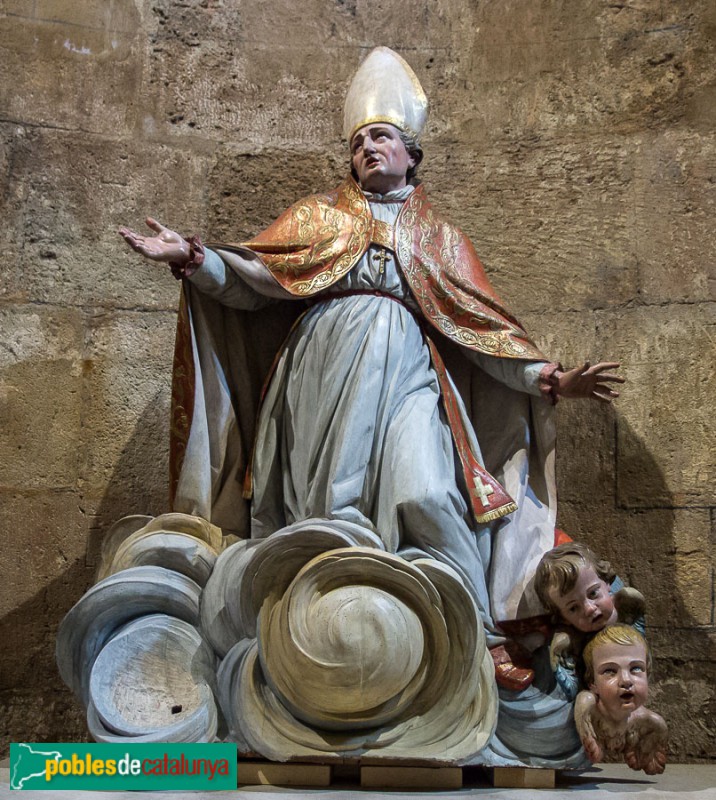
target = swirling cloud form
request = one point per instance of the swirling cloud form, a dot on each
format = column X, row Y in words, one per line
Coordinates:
column 314, row 641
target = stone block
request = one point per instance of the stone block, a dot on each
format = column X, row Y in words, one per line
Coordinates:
column 586, row 449
column 125, row 433
column 675, row 240
column 513, row 41
column 551, row 219
column 542, row 67
column 569, row 337
column 75, row 196
column 701, row 110
column 200, row 79
column 42, row 348
column 41, row 715
column 12, row 139
column 679, row 586
column 98, row 14
column 44, row 574
column 249, row 96
column 667, row 355
column 684, row 694
column 46, row 536
column 18, row 8
column 37, row 56
column 677, row 645
column 351, row 25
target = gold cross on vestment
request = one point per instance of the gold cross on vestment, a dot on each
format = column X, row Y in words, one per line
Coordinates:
column 382, row 257
column 482, row 490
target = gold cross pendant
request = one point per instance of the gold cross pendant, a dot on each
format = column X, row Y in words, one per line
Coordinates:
column 382, row 257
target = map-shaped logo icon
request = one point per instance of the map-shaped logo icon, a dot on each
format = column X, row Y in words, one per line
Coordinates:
column 28, row 764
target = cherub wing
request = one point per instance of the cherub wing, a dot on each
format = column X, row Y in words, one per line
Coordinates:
column 630, row 605
column 646, row 742
column 584, row 708
column 560, row 649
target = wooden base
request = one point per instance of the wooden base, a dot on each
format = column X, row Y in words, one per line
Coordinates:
column 385, row 776
column 411, row 777
column 264, row 773
column 523, row 778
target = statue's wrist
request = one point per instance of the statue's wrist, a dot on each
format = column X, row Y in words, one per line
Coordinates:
column 194, row 259
column 549, row 381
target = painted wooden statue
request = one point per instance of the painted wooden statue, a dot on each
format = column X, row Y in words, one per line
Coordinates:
column 355, row 408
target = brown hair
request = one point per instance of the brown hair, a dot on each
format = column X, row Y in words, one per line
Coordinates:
column 414, row 149
column 559, row 569
column 612, row 634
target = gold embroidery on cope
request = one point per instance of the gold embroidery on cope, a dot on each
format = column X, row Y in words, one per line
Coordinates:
column 430, row 253
column 320, row 240
column 358, row 225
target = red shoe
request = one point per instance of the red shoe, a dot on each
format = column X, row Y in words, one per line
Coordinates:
column 513, row 669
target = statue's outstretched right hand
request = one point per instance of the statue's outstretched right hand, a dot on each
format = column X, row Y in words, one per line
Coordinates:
column 167, row 245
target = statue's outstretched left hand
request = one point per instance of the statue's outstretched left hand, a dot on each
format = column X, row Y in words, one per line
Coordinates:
column 589, row 381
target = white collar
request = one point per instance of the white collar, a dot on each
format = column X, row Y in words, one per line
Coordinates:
column 396, row 196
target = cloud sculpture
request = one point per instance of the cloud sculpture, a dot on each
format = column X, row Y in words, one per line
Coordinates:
column 325, row 644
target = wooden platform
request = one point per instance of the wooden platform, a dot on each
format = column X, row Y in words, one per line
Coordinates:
column 523, row 778
column 384, row 776
column 267, row 773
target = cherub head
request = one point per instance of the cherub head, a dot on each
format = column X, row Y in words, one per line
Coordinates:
column 617, row 662
column 574, row 584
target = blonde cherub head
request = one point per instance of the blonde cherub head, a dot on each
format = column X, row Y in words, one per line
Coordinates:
column 617, row 663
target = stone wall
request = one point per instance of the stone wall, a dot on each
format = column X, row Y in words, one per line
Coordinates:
column 572, row 139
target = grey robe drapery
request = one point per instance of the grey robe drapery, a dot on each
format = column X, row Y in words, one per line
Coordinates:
column 352, row 428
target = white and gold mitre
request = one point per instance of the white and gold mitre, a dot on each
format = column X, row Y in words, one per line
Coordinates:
column 385, row 89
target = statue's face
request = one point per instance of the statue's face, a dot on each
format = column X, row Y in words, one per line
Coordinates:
column 620, row 683
column 380, row 158
column 588, row 606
